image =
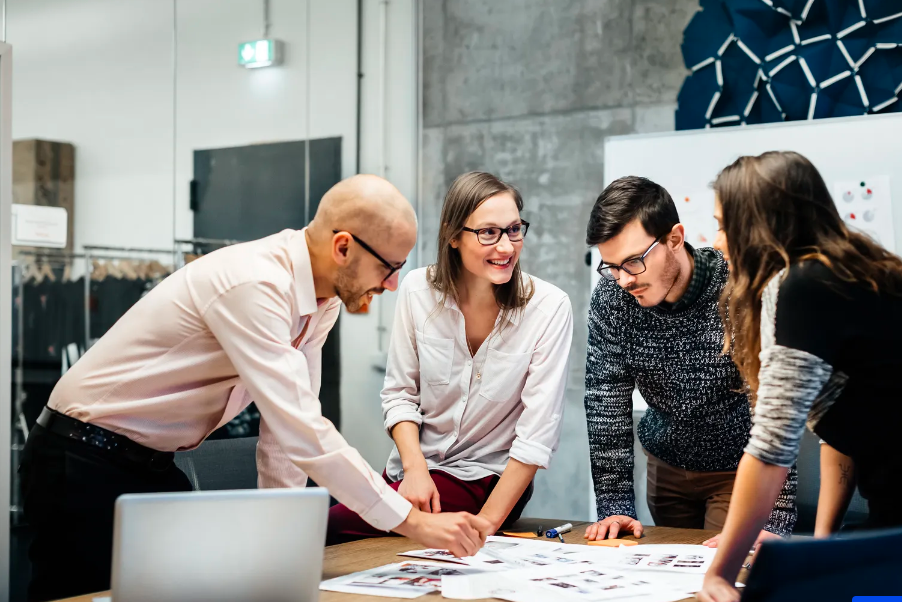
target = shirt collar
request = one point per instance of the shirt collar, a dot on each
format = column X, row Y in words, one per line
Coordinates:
column 512, row 316
column 304, row 289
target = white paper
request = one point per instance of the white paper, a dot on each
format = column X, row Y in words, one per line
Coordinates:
column 662, row 558
column 577, row 583
column 866, row 205
column 401, row 580
column 498, row 553
column 106, row 599
column 538, row 570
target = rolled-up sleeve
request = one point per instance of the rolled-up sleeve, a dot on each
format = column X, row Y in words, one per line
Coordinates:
column 539, row 426
column 252, row 323
column 401, row 391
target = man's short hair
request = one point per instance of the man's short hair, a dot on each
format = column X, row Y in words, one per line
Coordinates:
column 626, row 199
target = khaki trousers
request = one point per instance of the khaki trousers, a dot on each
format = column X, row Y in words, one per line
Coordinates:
column 688, row 499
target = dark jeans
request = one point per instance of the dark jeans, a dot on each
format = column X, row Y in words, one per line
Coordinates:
column 455, row 496
column 70, row 490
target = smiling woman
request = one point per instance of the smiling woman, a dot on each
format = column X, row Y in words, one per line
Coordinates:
column 477, row 367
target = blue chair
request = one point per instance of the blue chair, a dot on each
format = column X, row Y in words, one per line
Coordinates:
column 840, row 568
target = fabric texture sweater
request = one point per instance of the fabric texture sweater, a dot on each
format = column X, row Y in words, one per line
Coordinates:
column 698, row 415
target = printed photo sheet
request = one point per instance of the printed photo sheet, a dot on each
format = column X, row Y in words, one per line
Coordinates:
column 401, row 580
column 575, row 583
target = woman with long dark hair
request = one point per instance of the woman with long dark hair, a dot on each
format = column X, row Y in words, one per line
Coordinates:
column 813, row 318
column 477, row 367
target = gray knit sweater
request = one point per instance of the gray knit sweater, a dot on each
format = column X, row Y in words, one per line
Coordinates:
column 698, row 418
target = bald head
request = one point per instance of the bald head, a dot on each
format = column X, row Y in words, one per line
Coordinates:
column 368, row 206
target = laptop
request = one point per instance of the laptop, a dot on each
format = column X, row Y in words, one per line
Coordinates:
column 250, row 545
column 867, row 563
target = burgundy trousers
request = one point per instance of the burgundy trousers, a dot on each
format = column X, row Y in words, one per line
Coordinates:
column 455, row 496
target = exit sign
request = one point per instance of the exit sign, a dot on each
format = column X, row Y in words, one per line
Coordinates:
column 259, row 53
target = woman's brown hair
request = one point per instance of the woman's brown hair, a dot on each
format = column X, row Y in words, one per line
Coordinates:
column 466, row 194
column 777, row 211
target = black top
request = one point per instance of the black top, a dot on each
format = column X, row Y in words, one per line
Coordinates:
column 831, row 356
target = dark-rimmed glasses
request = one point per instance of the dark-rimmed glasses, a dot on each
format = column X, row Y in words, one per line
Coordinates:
column 633, row 267
column 391, row 268
column 492, row 234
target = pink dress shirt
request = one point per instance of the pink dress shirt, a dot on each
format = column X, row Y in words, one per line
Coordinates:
column 241, row 324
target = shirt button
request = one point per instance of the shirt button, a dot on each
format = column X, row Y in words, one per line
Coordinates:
column 469, row 362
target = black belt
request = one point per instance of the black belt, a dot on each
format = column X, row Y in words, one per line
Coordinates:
column 118, row 445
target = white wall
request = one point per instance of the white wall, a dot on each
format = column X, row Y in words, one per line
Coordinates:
column 223, row 105
column 99, row 74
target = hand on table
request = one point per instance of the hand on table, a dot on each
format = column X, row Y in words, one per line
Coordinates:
column 460, row 533
column 418, row 488
column 717, row 589
column 612, row 526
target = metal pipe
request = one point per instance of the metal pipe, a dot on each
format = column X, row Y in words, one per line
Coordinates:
column 124, row 249
column 208, row 241
column 266, row 19
column 383, row 85
column 418, row 168
column 359, row 80
column 307, row 120
column 89, row 267
column 175, row 88
column 64, row 255
column 383, row 158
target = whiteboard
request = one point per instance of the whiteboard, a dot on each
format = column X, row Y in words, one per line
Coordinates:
column 848, row 152
column 860, row 149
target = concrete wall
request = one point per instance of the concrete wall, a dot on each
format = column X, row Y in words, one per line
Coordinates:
column 529, row 89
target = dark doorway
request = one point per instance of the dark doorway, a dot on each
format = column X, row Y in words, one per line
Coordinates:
column 249, row 192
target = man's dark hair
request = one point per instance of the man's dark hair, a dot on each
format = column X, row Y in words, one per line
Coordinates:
column 626, row 199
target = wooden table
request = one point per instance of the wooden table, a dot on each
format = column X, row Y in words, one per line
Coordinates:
column 369, row 553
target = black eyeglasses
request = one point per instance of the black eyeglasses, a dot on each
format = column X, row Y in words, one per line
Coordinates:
column 391, row 268
column 491, row 235
column 633, row 267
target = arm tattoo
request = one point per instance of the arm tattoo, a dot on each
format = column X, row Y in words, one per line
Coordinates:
column 846, row 476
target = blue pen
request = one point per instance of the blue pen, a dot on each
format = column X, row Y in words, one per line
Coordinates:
column 558, row 531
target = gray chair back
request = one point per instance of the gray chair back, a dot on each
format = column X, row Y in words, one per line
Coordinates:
column 221, row 464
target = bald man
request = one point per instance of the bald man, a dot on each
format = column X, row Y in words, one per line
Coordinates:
column 246, row 323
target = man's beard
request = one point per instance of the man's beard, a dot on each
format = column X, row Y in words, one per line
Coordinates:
column 670, row 275
column 351, row 294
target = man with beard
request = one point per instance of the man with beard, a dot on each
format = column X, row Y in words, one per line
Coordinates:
column 245, row 323
column 654, row 324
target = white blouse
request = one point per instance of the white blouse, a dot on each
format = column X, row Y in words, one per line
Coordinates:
column 475, row 413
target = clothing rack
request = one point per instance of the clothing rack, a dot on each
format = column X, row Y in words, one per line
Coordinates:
column 208, row 241
column 58, row 257
column 90, row 254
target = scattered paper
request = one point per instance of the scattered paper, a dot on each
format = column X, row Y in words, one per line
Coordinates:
column 579, row 583
column 522, row 570
column 401, row 580
column 676, row 558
